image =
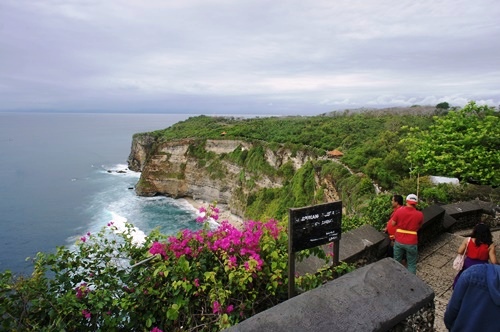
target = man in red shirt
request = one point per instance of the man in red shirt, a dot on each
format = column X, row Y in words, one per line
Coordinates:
column 397, row 202
column 407, row 221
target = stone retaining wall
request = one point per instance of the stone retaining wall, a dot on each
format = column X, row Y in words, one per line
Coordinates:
column 361, row 246
column 467, row 214
column 433, row 226
column 382, row 296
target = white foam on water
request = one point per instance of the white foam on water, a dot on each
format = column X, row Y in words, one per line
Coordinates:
column 212, row 223
column 116, row 202
column 138, row 236
column 183, row 204
column 120, row 170
column 119, row 225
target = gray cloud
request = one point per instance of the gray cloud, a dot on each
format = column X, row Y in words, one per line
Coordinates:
column 252, row 56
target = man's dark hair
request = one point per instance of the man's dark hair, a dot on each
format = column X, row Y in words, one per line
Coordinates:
column 398, row 199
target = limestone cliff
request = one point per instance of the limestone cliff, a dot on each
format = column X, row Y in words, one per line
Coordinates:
column 201, row 169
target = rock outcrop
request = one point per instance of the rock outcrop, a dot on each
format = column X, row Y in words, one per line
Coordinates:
column 199, row 169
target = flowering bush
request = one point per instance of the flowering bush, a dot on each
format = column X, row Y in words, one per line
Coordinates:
column 202, row 280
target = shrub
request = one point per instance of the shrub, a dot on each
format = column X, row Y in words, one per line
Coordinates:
column 378, row 211
column 205, row 280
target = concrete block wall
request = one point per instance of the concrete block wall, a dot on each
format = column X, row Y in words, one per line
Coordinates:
column 433, row 224
column 361, row 246
column 466, row 214
column 381, row 296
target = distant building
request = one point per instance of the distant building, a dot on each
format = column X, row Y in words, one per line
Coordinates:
column 334, row 154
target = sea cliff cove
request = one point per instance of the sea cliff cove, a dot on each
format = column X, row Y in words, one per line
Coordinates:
column 172, row 170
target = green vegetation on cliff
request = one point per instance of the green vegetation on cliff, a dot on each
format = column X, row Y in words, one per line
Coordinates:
column 389, row 149
column 369, row 141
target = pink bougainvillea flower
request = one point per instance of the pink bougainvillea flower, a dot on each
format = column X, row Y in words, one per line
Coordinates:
column 83, row 239
column 216, row 307
column 82, row 290
column 86, row 314
column 158, row 248
column 232, row 261
column 229, row 308
column 196, row 282
column 274, row 229
column 155, row 329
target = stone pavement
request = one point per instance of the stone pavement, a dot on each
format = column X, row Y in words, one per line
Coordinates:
column 435, row 268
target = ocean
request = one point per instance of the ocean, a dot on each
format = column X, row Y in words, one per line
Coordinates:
column 59, row 180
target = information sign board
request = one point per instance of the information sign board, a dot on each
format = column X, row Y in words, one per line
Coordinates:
column 315, row 225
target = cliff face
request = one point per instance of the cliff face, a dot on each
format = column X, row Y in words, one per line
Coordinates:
column 174, row 168
column 142, row 144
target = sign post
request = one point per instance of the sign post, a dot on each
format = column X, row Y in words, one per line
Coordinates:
column 310, row 227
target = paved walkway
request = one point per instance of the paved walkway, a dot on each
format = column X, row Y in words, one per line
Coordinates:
column 435, row 268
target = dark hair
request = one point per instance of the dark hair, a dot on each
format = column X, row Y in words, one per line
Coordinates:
column 482, row 234
column 398, row 199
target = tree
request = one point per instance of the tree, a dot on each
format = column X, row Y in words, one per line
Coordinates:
column 465, row 143
column 444, row 105
column 442, row 108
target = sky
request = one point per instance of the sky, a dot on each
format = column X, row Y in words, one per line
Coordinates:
column 246, row 56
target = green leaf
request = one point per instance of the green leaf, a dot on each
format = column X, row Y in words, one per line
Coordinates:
column 173, row 312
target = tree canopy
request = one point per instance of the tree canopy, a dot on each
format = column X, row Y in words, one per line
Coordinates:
column 465, row 143
column 444, row 105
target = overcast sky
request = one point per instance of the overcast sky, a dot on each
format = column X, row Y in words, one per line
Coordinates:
column 224, row 56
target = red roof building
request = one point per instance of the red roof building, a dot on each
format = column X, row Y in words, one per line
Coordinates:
column 334, row 154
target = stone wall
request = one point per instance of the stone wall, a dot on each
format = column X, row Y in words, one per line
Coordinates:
column 468, row 214
column 381, row 296
column 361, row 246
column 434, row 224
